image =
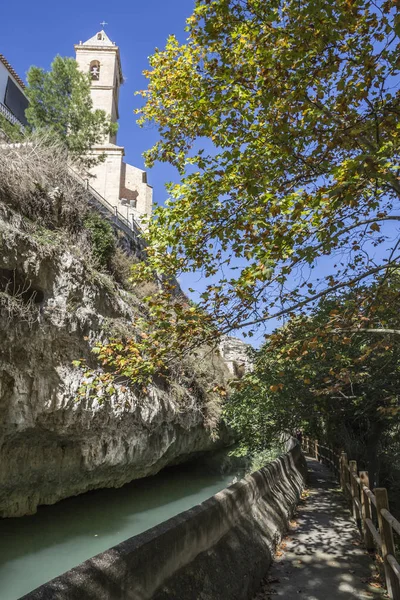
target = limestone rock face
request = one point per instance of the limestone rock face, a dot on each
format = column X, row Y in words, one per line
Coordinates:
column 236, row 355
column 51, row 445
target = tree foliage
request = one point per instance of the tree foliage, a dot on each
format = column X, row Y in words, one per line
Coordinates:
column 324, row 373
column 282, row 119
column 60, row 102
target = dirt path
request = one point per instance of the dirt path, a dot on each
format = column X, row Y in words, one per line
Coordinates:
column 322, row 557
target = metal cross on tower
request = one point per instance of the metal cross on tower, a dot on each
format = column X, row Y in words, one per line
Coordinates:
column 103, row 23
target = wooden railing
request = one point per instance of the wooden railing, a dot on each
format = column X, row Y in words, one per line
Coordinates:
column 370, row 509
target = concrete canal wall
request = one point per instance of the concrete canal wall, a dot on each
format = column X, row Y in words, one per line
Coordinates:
column 218, row 550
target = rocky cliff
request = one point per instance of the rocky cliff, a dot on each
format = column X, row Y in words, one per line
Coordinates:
column 53, row 306
column 236, row 355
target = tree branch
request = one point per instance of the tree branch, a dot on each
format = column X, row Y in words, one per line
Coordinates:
column 307, row 301
column 368, row 330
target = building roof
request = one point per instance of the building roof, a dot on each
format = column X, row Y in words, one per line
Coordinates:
column 9, row 68
column 100, row 39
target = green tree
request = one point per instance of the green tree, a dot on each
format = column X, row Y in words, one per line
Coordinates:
column 282, row 119
column 325, row 373
column 60, row 102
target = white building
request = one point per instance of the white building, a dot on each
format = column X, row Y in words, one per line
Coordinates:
column 13, row 101
column 121, row 184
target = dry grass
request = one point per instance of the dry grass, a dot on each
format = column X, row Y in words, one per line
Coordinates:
column 121, row 267
column 14, row 308
column 19, row 300
column 148, row 288
column 35, row 180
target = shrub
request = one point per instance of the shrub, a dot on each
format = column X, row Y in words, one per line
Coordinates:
column 102, row 238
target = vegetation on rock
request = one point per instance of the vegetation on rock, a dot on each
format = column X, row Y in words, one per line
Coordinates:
column 13, row 132
column 102, row 237
column 48, row 209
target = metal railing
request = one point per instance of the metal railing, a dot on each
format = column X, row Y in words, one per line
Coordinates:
column 130, row 227
column 368, row 508
column 10, row 117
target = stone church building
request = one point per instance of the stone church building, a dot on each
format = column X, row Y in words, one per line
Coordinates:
column 122, row 185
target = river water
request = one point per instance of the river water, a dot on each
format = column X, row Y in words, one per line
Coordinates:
column 37, row 548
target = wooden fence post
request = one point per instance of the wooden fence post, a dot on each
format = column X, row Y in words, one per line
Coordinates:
column 331, row 460
column 345, row 475
column 341, row 470
column 316, row 449
column 354, row 489
column 336, row 463
column 366, row 510
column 385, row 529
column 341, row 476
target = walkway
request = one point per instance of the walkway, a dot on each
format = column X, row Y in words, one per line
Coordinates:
column 322, row 557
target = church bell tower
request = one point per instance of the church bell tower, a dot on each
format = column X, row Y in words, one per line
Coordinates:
column 122, row 185
column 100, row 57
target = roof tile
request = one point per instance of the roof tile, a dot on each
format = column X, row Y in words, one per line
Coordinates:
column 12, row 71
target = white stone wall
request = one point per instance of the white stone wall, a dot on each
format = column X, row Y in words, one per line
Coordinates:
column 4, row 74
column 107, row 174
column 235, row 353
column 149, row 199
column 136, row 191
column 105, row 91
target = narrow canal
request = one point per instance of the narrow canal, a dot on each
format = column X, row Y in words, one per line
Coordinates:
column 37, row 548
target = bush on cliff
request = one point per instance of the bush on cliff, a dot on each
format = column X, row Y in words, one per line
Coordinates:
column 13, row 132
column 102, row 238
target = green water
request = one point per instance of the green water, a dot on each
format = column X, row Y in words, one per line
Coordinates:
column 37, row 548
